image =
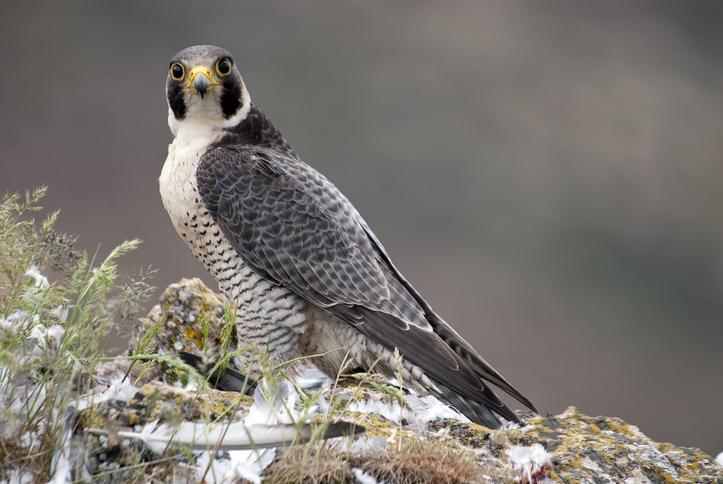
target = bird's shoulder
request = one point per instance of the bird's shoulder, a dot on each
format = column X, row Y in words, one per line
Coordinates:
column 291, row 223
column 262, row 175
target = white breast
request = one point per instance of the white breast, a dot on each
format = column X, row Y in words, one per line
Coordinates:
column 177, row 182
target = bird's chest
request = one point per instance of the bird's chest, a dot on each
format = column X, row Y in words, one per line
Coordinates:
column 261, row 303
column 185, row 207
column 178, row 188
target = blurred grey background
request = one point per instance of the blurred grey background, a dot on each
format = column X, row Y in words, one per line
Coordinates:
column 549, row 174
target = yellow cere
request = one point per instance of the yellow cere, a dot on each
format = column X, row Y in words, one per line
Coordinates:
column 202, row 71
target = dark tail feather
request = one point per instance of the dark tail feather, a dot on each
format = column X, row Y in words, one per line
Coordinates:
column 479, row 412
column 227, row 378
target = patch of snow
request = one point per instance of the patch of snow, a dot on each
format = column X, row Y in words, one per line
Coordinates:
column 417, row 411
column 39, row 280
column 63, row 457
column 272, row 403
column 278, row 403
column 18, row 476
column 55, row 333
column 528, row 460
column 719, row 459
column 117, row 390
column 30, row 440
column 391, row 411
column 60, row 312
column 38, row 332
column 23, row 399
column 47, row 338
column 11, row 323
column 361, row 445
column 120, row 390
column 428, row 408
column 236, row 465
column 364, row 478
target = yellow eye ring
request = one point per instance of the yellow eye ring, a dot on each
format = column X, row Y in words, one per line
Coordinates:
column 178, row 72
column 224, row 66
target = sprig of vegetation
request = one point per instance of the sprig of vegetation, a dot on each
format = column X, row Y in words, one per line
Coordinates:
column 135, row 291
column 50, row 330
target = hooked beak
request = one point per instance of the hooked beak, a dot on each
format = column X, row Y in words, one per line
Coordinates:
column 200, row 80
column 200, row 84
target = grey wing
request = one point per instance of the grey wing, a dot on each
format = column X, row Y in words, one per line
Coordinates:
column 294, row 226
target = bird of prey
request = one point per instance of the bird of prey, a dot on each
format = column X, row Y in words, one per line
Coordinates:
column 306, row 272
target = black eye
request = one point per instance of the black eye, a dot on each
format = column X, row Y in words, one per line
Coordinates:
column 223, row 66
column 177, row 71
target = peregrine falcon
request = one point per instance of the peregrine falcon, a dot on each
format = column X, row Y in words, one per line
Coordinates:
column 306, row 272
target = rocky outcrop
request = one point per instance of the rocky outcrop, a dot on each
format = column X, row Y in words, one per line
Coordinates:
column 163, row 423
column 570, row 447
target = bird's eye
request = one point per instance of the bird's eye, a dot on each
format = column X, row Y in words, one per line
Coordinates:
column 223, row 66
column 177, row 71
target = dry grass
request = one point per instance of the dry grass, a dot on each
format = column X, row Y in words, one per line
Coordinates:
column 312, row 464
column 423, row 461
column 51, row 329
column 413, row 461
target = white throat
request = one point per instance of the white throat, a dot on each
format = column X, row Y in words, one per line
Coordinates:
column 200, row 121
column 194, row 136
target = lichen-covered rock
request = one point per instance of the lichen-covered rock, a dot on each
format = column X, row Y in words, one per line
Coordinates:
column 408, row 438
column 189, row 318
column 194, row 325
column 571, row 447
column 585, row 449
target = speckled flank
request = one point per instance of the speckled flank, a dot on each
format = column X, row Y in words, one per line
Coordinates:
column 268, row 315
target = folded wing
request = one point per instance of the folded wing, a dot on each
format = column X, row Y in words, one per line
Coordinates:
column 294, row 226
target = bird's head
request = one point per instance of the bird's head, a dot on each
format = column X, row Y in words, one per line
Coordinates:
column 204, row 86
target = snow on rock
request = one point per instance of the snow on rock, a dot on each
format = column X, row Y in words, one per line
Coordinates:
column 39, row 280
column 231, row 466
column 391, row 411
column 47, row 338
column 119, row 389
column 18, row 476
column 416, row 411
column 364, row 478
column 274, row 404
column 66, row 457
column 423, row 410
column 528, row 461
column 12, row 322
